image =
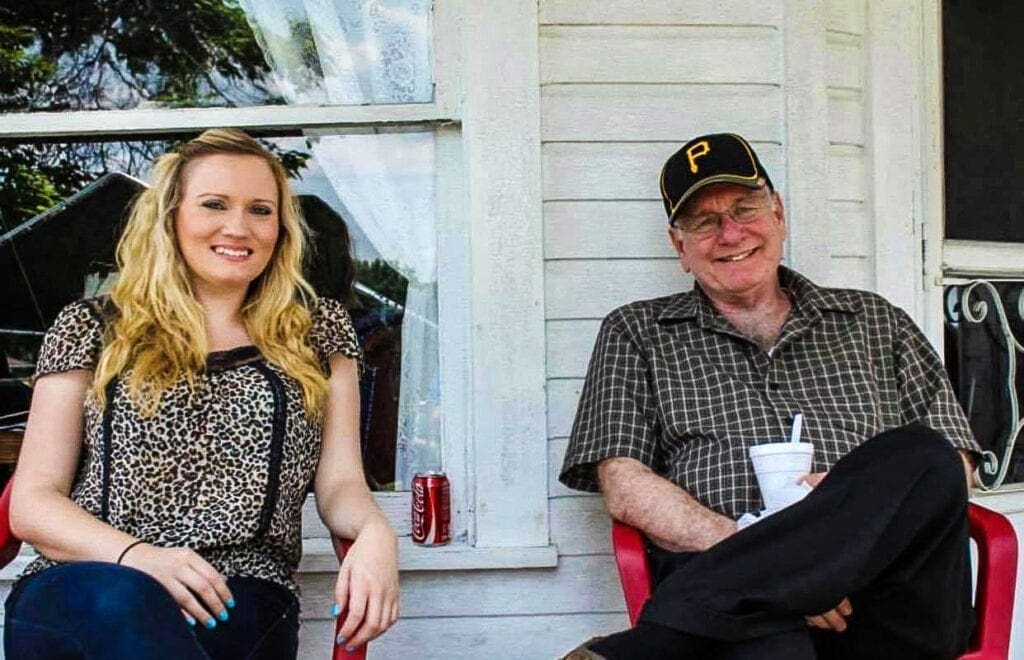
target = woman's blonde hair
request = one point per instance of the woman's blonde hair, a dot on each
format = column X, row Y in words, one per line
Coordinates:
column 158, row 336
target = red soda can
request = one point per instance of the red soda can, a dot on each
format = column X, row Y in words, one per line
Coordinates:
column 431, row 509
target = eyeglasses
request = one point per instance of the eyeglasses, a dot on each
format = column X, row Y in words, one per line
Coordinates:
column 743, row 212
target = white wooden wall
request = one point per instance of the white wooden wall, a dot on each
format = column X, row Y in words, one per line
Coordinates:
column 851, row 227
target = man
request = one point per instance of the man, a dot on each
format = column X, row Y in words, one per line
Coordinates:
column 873, row 562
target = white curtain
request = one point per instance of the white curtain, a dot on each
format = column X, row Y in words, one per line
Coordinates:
column 350, row 52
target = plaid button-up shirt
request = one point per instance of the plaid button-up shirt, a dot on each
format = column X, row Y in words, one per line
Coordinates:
column 672, row 384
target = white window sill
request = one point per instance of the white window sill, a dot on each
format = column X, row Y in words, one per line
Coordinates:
column 18, row 564
column 318, row 557
column 1006, row 499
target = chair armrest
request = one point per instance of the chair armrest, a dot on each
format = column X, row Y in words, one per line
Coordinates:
column 997, row 578
column 10, row 545
column 631, row 560
column 341, row 547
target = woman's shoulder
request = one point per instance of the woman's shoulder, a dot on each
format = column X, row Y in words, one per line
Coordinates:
column 332, row 330
column 324, row 307
column 85, row 314
column 329, row 315
column 75, row 338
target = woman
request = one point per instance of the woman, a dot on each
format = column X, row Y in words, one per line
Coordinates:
column 176, row 425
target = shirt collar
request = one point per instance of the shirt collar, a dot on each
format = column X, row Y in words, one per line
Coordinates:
column 807, row 296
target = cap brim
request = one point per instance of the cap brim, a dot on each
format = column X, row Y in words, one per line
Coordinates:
column 755, row 182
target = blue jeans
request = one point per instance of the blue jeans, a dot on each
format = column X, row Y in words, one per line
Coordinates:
column 87, row 610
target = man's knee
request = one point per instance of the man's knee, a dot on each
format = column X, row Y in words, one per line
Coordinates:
column 917, row 444
column 905, row 453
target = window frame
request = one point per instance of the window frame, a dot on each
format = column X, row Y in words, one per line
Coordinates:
column 490, row 279
column 913, row 260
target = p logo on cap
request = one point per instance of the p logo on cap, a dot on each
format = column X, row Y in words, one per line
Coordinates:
column 695, row 152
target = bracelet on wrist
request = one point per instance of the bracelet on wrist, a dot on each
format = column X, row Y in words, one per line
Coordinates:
column 129, row 547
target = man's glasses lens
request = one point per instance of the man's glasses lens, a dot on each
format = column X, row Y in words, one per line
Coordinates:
column 706, row 224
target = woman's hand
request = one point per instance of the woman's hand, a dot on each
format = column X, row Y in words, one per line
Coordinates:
column 197, row 587
column 367, row 589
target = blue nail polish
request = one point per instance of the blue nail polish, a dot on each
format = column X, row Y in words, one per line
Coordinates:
column 223, row 616
column 231, row 603
column 335, row 609
column 350, row 649
column 340, row 640
column 211, row 623
column 191, row 621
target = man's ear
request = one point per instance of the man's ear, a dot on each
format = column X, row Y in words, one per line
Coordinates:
column 778, row 207
column 675, row 238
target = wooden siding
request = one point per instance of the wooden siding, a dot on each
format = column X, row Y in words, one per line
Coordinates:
column 473, row 637
column 851, row 227
column 659, row 12
column 658, row 54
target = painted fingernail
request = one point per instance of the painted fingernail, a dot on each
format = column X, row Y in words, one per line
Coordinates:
column 223, row 616
column 340, row 640
column 335, row 610
column 211, row 623
column 231, row 603
column 350, row 649
column 190, row 620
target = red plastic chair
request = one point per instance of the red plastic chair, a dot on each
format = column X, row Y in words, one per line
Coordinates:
column 997, row 576
column 10, row 545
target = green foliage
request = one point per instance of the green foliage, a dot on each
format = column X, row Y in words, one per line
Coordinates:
column 383, row 279
column 80, row 55
column 19, row 67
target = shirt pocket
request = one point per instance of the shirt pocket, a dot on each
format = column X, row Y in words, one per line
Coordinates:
column 846, row 396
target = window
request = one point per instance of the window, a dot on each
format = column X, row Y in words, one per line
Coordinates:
column 84, row 188
column 347, row 96
column 236, row 53
column 985, row 359
column 983, row 234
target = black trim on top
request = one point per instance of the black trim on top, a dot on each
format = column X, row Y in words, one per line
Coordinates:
column 218, row 361
column 276, row 446
column 107, row 448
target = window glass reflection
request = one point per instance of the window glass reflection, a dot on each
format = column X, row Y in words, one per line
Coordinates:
column 61, row 211
column 62, row 56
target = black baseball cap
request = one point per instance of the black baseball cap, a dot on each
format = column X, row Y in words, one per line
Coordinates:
column 716, row 158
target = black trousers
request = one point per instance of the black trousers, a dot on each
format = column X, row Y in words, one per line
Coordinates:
column 886, row 528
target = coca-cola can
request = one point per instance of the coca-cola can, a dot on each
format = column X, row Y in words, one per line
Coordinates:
column 431, row 509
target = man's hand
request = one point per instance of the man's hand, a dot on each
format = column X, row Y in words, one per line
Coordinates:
column 812, row 479
column 834, row 619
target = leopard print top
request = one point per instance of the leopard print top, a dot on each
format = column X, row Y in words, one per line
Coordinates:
column 222, row 469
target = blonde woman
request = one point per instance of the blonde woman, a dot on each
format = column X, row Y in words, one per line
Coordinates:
column 176, row 426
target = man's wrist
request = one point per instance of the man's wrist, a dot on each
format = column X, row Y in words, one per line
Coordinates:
column 969, row 466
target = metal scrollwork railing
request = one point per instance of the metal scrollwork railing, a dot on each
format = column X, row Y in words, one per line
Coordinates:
column 966, row 302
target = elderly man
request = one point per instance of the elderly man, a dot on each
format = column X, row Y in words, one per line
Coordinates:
column 873, row 563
